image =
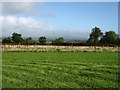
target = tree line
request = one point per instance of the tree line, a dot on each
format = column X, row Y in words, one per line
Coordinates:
column 96, row 37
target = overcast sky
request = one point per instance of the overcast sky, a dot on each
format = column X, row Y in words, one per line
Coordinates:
column 58, row 19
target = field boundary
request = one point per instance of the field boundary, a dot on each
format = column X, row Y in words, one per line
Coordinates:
column 54, row 48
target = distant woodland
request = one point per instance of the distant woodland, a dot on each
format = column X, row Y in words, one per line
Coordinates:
column 96, row 38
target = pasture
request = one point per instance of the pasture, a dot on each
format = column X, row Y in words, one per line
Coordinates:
column 60, row 70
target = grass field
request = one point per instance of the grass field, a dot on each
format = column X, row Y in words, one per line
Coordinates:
column 60, row 69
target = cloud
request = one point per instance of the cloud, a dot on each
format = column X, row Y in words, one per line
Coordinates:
column 35, row 28
column 25, row 8
column 26, row 26
column 47, row 14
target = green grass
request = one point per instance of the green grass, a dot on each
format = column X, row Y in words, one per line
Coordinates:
column 60, row 70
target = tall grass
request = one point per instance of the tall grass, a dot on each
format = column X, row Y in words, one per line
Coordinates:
column 51, row 48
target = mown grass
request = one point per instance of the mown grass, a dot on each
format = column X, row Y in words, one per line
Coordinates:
column 60, row 70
